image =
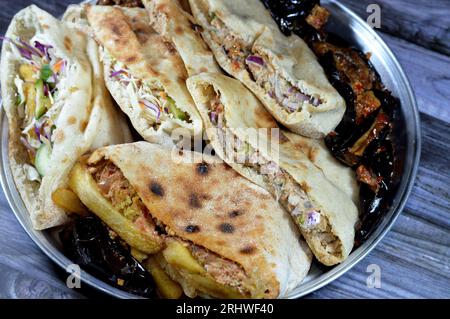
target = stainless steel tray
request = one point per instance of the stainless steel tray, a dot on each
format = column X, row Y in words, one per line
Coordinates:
column 349, row 26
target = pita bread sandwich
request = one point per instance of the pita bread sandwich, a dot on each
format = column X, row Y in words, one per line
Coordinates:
column 144, row 73
column 169, row 19
column 57, row 107
column 325, row 214
column 281, row 71
column 218, row 234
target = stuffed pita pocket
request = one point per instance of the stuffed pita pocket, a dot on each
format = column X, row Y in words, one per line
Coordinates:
column 281, row 71
column 219, row 235
column 57, row 108
column 144, row 73
column 325, row 214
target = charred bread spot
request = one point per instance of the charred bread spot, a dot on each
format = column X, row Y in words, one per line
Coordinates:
column 142, row 35
column 161, row 7
column 59, row 136
column 116, row 30
column 305, row 186
column 83, row 125
column 170, row 47
column 71, row 120
column 248, row 250
column 194, row 201
column 182, row 80
column 312, row 154
column 263, row 206
column 179, row 30
column 156, row 189
column 192, row 229
column 203, row 168
column 235, row 213
column 304, row 147
column 264, row 119
column 68, row 44
column 226, row 228
column 152, row 71
column 131, row 59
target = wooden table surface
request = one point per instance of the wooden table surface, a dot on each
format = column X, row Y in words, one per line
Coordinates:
column 414, row 257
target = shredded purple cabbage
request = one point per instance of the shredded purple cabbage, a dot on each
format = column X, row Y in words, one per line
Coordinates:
column 153, row 107
column 30, row 48
column 255, row 59
column 313, row 219
column 46, row 90
column 26, row 50
column 213, row 118
column 43, row 48
column 116, row 73
column 37, row 131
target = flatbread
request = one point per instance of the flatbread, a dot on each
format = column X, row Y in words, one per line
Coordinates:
column 85, row 120
column 288, row 57
column 241, row 111
column 233, row 217
column 125, row 35
column 341, row 176
column 169, row 19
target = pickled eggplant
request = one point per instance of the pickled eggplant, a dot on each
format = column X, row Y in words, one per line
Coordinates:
column 368, row 138
column 88, row 243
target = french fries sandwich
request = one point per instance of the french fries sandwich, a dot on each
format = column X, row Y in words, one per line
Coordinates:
column 211, row 230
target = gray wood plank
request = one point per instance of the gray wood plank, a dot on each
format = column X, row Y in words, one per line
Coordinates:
column 423, row 22
column 428, row 73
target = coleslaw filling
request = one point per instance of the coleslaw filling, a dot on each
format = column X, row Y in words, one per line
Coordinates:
column 41, row 84
column 155, row 104
column 288, row 96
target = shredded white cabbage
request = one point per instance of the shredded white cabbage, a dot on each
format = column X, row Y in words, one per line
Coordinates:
column 19, row 85
column 139, row 90
column 31, row 173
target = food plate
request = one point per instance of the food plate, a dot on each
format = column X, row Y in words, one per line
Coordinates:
column 348, row 25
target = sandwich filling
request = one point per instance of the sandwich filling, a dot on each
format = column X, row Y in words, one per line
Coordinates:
column 311, row 221
column 41, row 87
column 289, row 97
column 155, row 104
column 117, row 189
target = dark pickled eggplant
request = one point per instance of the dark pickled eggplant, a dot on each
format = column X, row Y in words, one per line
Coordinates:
column 292, row 15
column 366, row 139
column 88, row 243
